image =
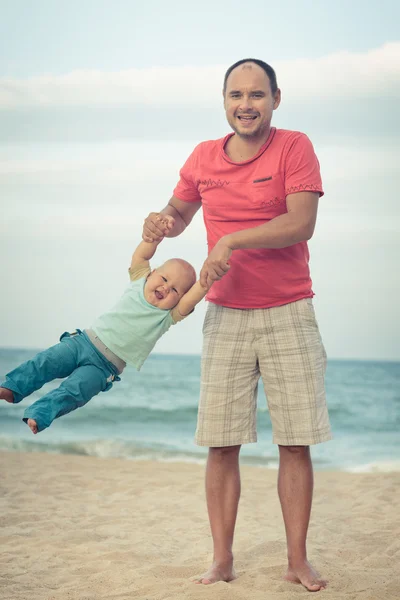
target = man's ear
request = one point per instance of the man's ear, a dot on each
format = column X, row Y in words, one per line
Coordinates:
column 277, row 98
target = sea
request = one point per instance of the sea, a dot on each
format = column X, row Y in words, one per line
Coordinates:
column 151, row 415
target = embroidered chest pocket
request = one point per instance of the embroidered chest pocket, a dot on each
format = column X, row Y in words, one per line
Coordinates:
column 268, row 193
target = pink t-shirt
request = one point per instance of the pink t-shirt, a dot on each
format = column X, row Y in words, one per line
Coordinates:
column 238, row 196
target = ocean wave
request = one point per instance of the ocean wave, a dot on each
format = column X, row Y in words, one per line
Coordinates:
column 115, row 413
column 139, row 451
column 106, row 448
column 382, row 466
column 102, row 448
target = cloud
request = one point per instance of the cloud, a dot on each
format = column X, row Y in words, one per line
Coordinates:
column 341, row 94
column 344, row 75
column 141, row 164
column 151, row 86
column 340, row 75
column 82, row 173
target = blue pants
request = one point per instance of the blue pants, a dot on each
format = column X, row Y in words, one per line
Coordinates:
column 88, row 372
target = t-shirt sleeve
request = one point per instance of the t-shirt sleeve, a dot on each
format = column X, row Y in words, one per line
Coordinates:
column 186, row 188
column 139, row 271
column 302, row 172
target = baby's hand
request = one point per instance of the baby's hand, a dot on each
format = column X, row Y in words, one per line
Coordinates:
column 156, row 226
column 167, row 221
column 206, row 285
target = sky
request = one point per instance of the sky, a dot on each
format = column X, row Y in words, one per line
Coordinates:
column 101, row 102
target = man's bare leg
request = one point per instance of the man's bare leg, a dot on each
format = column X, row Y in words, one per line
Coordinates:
column 223, row 493
column 295, row 489
column 7, row 395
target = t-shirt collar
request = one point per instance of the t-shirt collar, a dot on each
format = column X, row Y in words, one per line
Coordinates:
column 245, row 162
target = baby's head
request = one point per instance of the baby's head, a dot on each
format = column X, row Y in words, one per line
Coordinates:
column 166, row 285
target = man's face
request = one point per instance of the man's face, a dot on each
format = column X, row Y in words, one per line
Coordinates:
column 249, row 102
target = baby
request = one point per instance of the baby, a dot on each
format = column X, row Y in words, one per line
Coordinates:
column 92, row 359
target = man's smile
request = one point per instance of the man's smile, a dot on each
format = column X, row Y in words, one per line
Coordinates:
column 247, row 118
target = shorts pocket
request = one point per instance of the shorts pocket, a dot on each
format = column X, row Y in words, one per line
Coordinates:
column 210, row 320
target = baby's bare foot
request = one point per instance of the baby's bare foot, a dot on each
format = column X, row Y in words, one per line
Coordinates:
column 7, row 395
column 32, row 425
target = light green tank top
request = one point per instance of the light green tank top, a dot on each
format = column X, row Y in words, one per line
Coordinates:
column 133, row 326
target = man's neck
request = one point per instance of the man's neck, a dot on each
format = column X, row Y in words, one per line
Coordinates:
column 240, row 148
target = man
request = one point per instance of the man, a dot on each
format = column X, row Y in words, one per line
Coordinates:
column 259, row 189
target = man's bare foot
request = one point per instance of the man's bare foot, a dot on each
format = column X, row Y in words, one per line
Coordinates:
column 305, row 574
column 32, row 425
column 7, row 395
column 218, row 572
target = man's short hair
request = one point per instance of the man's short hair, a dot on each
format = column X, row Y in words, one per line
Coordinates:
column 266, row 68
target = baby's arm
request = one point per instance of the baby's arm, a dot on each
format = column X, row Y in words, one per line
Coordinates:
column 187, row 303
column 145, row 251
column 140, row 266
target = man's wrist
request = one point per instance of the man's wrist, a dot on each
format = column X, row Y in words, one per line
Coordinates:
column 228, row 241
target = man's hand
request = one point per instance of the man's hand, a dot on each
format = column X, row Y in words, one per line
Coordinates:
column 216, row 265
column 156, row 226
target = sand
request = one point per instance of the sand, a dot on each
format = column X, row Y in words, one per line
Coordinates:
column 75, row 527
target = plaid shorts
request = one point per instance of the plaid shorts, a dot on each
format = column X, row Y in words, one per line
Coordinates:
column 282, row 345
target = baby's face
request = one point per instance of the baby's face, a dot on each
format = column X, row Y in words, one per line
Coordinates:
column 166, row 285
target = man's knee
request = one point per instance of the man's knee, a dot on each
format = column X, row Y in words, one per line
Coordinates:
column 224, row 451
column 294, row 450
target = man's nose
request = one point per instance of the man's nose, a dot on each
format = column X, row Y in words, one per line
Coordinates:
column 246, row 103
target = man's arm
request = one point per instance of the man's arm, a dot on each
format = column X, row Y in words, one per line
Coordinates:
column 154, row 229
column 297, row 225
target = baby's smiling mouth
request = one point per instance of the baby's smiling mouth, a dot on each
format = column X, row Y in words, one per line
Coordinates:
column 159, row 295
